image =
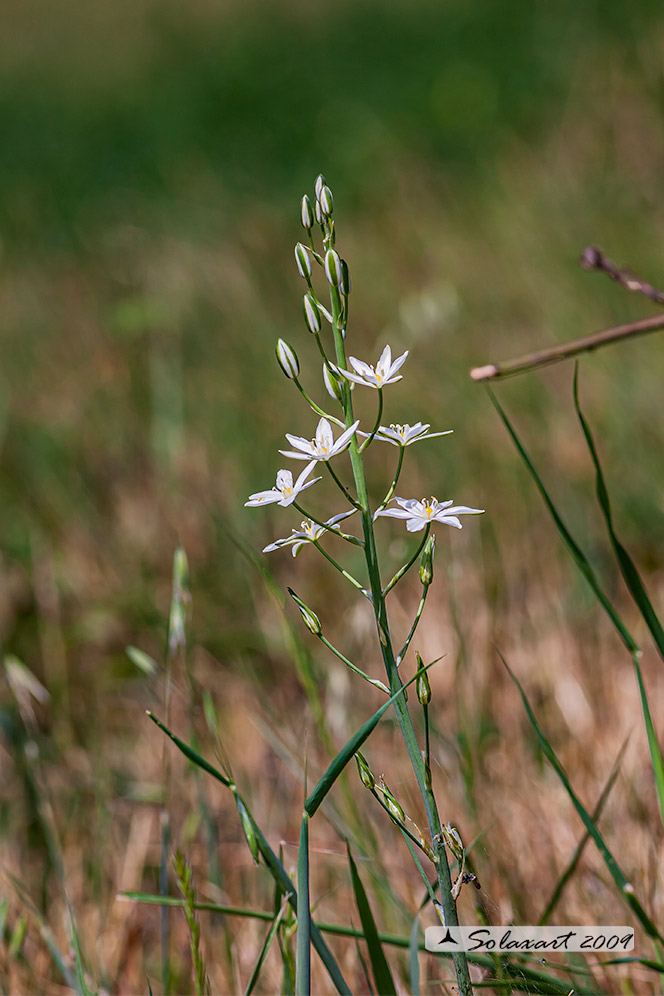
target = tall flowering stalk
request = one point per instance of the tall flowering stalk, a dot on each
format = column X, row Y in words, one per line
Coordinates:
column 337, row 434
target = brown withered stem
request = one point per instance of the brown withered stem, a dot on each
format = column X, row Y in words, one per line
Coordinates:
column 591, row 258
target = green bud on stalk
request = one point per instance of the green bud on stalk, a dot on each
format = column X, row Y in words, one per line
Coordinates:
column 332, row 384
column 320, row 218
column 393, row 807
column 422, row 684
column 287, row 359
column 326, row 202
column 318, row 185
column 345, row 284
column 365, row 772
column 426, row 563
column 307, row 214
column 333, row 267
column 303, row 261
column 248, row 829
column 311, row 620
column 311, row 314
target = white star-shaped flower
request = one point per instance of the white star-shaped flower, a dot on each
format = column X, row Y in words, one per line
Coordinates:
column 309, row 532
column 380, row 375
column 404, row 435
column 284, row 492
column 323, row 446
column 419, row 514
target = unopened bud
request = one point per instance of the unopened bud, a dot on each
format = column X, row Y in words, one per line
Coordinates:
column 319, row 184
column 393, row 807
column 311, row 620
column 428, row 850
column 345, row 285
column 248, row 828
column 307, row 214
column 287, row 359
column 303, row 261
column 426, row 563
column 311, row 314
column 422, row 684
column 332, row 383
column 326, row 201
column 364, row 771
column 333, row 267
column 319, row 214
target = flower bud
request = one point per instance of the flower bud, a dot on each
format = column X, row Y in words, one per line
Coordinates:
column 333, row 267
column 364, row 771
column 422, row 684
column 319, row 214
column 307, row 214
column 311, row 313
column 426, row 563
column 248, row 828
column 344, row 286
column 311, row 620
column 393, row 807
column 326, row 201
column 332, row 383
column 319, row 184
column 303, row 261
column 287, row 359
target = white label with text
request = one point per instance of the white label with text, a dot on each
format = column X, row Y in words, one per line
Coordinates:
column 481, row 940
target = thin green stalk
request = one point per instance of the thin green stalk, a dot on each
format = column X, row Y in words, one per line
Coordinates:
column 340, row 484
column 406, row 567
column 411, row 634
column 372, row 681
column 342, row 570
column 395, row 480
column 330, row 529
column 401, row 709
column 367, row 442
column 312, row 404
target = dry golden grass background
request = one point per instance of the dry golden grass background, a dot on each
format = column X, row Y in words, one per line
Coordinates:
column 151, row 175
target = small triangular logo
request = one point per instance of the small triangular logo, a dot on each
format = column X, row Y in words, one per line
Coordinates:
column 448, row 938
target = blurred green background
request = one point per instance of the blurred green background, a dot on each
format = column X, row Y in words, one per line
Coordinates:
column 152, row 160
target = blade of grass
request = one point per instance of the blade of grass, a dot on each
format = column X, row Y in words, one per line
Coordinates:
column 349, row 749
column 627, row 567
column 653, row 742
column 267, row 943
column 303, row 957
column 381, row 970
column 571, row 867
column 521, row 977
column 272, row 862
column 624, row 887
column 577, row 554
column 414, row 957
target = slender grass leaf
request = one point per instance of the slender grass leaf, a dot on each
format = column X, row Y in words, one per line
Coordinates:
column 349, row 749
column 414, row 957
column 578, row 556
column 189, row 753
column 571, row 867
column 303, row 961
column 78, row 959
column 274, row 866
column 142, row 660
column 381, row 970
column 521, row 977
column 624, row 887
column 267, row 943
column 653, row 742
column 627, row 567
column 363, row 966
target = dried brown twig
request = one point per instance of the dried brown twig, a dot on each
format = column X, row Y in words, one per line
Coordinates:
column 591, row 258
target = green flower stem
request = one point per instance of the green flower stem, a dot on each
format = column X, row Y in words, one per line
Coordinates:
column 312, row 404
column 342, row 487
column 337, row 653
column 338, row 567
column 330, row 529
column 321, row 348
column 418, row 615
column 406, row 567
column 427, row 753
column 395, row 480
column 367, row 442
column 403, row 716
column 402, row 826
